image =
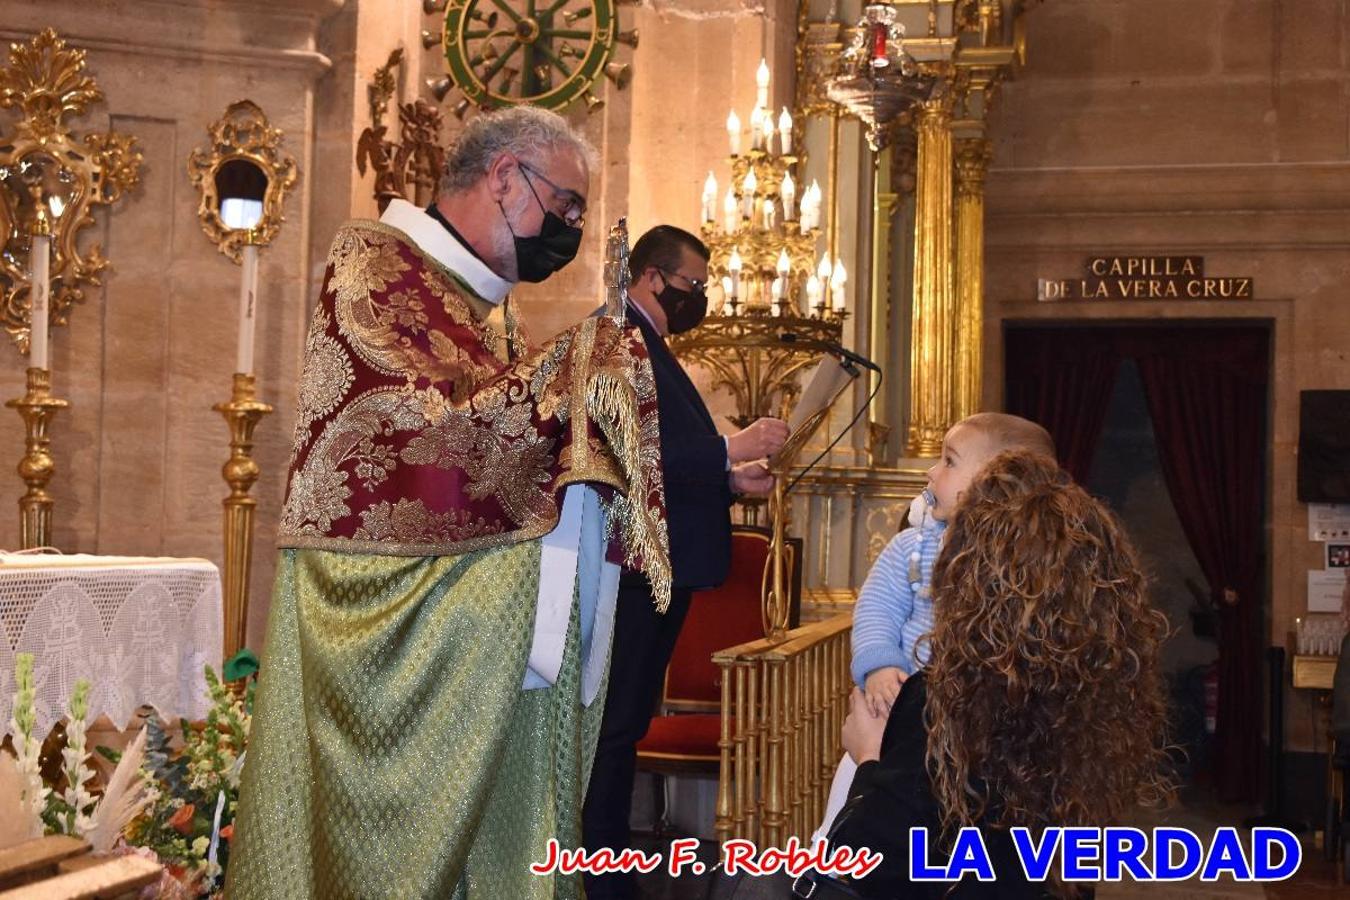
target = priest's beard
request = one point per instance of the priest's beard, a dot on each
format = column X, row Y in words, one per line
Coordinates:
column 503, row 241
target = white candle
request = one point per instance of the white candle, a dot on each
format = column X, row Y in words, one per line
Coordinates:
column 776, row 289
column 39, row 268
column 248, row 310
column 785, row 131
column 709, row 197
column 784, row 264
column 824, row 269
column 788, row 191
column 734, row 267
column 762, row 84
column 748, row 188
column 813, row 293
column 731, row 212
column 727, row 306
column 734, row 132
column 770, row 214
column 837, row 281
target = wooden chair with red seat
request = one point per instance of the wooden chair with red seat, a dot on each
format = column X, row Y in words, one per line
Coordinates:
column 682, row 737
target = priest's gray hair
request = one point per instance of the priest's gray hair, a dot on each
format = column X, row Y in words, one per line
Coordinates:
column 523, row 131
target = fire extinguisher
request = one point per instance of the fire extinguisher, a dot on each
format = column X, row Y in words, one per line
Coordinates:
column 1211, row 682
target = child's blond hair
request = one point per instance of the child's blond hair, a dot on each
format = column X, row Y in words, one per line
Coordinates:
column 1006, row 432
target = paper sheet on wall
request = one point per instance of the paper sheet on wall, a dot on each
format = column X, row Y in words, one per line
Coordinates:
column 1329, row 521
column 1324, row 590
column 826, row 382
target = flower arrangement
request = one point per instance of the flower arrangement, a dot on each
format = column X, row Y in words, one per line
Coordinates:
column 175, row 803
column 33, row 807
column 190, row 819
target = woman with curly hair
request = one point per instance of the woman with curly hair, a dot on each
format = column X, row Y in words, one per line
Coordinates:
column 1041, row 704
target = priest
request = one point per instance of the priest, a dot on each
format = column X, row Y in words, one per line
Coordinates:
column 457, row 511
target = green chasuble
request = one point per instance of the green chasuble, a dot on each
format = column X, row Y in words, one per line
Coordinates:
column 427, row 758
column 394, row 751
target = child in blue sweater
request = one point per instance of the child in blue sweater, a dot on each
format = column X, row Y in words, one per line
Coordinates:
column 894, row 611
column 895, row 608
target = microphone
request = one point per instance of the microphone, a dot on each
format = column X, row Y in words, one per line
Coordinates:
column 839, row 350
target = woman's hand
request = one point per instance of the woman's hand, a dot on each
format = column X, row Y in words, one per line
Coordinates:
column 862, row 730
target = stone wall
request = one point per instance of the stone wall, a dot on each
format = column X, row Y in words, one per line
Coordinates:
column 1214, row 128
column 140, row 449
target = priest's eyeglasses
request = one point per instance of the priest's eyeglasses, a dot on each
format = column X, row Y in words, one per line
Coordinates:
column 573, row 210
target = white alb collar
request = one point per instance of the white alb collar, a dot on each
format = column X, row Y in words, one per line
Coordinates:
column 433, row 239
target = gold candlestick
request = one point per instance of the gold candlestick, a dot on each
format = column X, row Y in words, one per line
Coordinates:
column 242, row 414
column 36, row 406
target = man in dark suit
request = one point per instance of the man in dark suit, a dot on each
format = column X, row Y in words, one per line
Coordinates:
column 702, row 471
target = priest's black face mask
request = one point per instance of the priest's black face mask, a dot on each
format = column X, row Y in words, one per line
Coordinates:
column 539, row 256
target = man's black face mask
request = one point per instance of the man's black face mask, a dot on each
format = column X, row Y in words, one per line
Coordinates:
column 683, row 309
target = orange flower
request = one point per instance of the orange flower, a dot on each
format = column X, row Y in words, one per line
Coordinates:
column 227, row 833
column 181, row 821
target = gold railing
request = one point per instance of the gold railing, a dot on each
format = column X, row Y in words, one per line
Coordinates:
column 783, row 705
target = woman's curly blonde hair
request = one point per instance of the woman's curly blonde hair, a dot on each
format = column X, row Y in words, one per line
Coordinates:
column 1045, row 705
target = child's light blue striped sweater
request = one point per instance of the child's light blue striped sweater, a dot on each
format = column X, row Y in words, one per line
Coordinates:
column 895, row 606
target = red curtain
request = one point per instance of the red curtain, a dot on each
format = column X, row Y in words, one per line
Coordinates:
column 1062, row 378
column 1206, row 388
column 1206, row 392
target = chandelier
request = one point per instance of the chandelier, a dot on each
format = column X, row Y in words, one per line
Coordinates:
column 876, row 79
column 778, row 303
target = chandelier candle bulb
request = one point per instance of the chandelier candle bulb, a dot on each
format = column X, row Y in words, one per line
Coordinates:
column 785, row 131
column 811, row 207
column 824, row 269
column 762, row 84
column 734, row 133
column 709, row 198
column 248, row 302
column 837, row 281
column 748, row 187
column 788, row 191
column 731, row 211
column 770, row 214
column 784, row 264
column 814, row 294
column 734, row 267
column 39, row 268
column 776, row 290
column 728, row 307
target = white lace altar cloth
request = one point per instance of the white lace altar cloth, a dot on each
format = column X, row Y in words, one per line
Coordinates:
column 140, row 629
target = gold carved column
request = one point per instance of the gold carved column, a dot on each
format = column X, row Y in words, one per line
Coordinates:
column 885, row 202
column 934, row 315
column 972, row 160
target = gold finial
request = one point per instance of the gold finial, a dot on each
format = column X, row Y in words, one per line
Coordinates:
column 616, row 270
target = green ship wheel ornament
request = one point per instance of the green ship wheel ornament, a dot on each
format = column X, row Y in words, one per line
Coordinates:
column 541, row 52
